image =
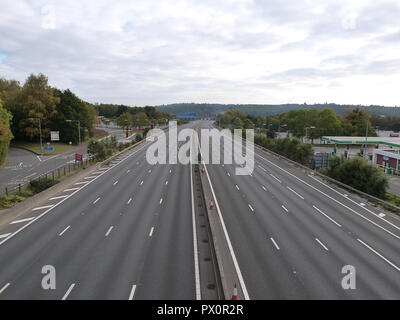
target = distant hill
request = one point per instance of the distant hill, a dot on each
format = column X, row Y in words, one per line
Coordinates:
column 210, row 110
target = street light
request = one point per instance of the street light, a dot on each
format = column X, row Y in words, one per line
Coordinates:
column 40, row 132
column 79, row 128
column 366, row 135
column 312, row 127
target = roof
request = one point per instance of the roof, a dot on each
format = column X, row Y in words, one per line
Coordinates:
column 389, row 141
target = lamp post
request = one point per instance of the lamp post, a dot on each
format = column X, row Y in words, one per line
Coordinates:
column 366, row 135
column 79, row 129
column 40, row 132
column 311, row 127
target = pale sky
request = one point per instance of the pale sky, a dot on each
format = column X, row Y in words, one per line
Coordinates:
column 237, row 51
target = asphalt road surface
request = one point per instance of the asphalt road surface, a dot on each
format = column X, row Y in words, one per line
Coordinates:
column 126, row 232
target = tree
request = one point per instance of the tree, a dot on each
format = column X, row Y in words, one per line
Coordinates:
column 237, row 123
column 125, row 120
column 354, row 123
column 5, row 132
column 140, row 120
column 36, row 100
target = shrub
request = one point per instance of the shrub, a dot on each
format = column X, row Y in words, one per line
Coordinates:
column 39, row 185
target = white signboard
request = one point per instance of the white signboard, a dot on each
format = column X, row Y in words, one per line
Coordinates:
column 171, row 123
column 55, row 135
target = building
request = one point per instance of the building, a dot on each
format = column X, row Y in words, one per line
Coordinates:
column 388, row 159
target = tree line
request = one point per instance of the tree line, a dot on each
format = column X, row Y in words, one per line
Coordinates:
column 35, row 100
column 313, row 123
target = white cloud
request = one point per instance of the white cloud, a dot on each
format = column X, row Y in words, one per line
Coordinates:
column 153, row 52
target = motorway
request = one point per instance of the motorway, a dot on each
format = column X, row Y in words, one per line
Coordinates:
column 126, row 232
column 292, row 234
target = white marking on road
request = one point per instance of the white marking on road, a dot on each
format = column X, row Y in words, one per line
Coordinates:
column 132, row 292
column 69, row 196
column 68, row 292
column 22, row 220
column 151, row 231
column 228, row 174
column 161, row 200
column 166, row 182
column 39, row 158
column 321, row 244
column 362, row 204
column 379, row 255
column 62, row 232
column 129, row 201
column 262, row 168
column 29, row 176
column 95, row 201
column 90, row 177
column 44, row 207
column 141, row 182
column 4, row 288
column 251, row 208
column 320, row 211
column 150, row 171
column 265, row 189
column 83, row 182
column 115, row 182
column 275, row 178
column 284, row 208
column 275, row 244
column 72, row 189
column 299, row 195
column 109, row 230
column 170, row 170
column 237, row 187
column 381, row 214
column 232, row 252
column 128, row 171
column 5, row 235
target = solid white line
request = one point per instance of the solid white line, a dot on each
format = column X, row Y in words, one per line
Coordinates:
column 62, row 232
column 4, row 288
column 59, row 197
column 22, row 220
column 275, row 244
column 151, row 231
column 299, row 195
column 90, row 177
column 115, row 182
column 5, row 235
column 237, row 187
column 72, row 189
column 68, row 292
column 326, row 195
column 365, row 208
column 161, row 200
column 232, row 252
column 262, row 168
column 83, row 182
column 141, row 182
column 132, row 292
column 284, row 208
column 327, row 216
column 321, row 244
column 95, row 201
column 70, row 195
column 379, row 255
column 275, row 178
column 251, row 208
column 195, row 248
column 44, row 207
column 109, row 230
column 39, row 158
column 129, row 201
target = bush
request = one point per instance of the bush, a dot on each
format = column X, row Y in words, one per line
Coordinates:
column 39, row 185
column 359, row 174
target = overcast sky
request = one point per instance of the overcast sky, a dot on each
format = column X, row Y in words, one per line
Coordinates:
column 238, row 51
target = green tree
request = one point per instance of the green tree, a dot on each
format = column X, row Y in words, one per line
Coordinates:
column 140, row 120
column 125, row 120
column 5, row 132
column 354, row 123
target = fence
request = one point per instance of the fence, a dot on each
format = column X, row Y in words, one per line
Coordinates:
column 57, row 173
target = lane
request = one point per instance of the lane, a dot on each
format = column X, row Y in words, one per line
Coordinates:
column 100, row 239
column 281, row 207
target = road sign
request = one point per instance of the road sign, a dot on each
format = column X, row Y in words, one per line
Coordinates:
column 48, row 148
column 78, row 157
column 55, row 135
column 187, row 115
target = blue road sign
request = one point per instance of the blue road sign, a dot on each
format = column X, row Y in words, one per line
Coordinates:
column 187, row 115
column 48, row 148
